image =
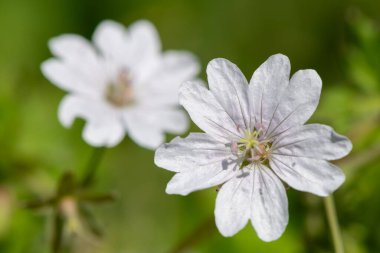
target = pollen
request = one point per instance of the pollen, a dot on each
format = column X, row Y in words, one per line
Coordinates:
column 252, row 148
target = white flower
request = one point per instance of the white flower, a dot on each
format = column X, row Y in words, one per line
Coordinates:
column 254, row 138
column 124, row 83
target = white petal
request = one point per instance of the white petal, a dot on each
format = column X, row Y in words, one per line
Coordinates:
column 162, row 86
column 171, row 120
column 233, row 204
column 72, row 78
column 204, row 176
column 140, row 130
column 70, row 47
column 144, row 38
column 269, row 205
column 145, row 121
column 103, row 128
column 145, row 47
column 111, row 39
column 266, row 87
column 206, row 112
column 78, row 68
column 305, row 174
column 179, row 66
column 135, row 49
column 230, row 87
column 313, row 141
column 190, row 153
column 298, row 102
column 103, row 134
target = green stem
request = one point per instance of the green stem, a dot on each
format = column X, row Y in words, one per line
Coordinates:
column 92, row 166
column 333, row 224
column 89, row 174
column 58, row 223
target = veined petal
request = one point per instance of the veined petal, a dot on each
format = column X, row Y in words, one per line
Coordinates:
column 192, row 152
column 312, row 141
column 103, row 128
column 266, row 87
column 233, row 204
column 298, row 103
column 230, row 88
column 206, row 112
column 204, row 176
column 306, row 174
column 269, row 204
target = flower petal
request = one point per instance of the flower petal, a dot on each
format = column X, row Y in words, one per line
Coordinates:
column 171, row 120
column 161, row 87
column 306, row 174
column 266, row 87
column 190, row 153
column 111, row 39
column 145, row 47
column 166, row 119
column 206, row 112
column 269, row 204
column 103, row 127
column 78, row 68
column 141, row 130
column 298, row 103
column 233, row 204
column 136, row 49
column 108, row 135
column 73, row 48
column 72, row 78
column 204, row 176
column 313, row 141
column 144, row 38
column 230, row 87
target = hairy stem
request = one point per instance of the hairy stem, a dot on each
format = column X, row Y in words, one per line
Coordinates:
column 332, row 219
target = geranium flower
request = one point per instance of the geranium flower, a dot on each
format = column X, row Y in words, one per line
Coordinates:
column 122, row 83
column 254, row 139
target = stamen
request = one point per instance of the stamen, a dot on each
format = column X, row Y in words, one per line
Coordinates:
column 250, row 148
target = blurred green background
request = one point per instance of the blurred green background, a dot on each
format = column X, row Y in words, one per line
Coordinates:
column 340, row 39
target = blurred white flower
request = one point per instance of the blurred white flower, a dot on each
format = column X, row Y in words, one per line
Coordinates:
column 124, row 83
column 254, row 138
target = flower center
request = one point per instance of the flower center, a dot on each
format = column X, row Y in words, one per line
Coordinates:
column 120, row 92
column 252, row 148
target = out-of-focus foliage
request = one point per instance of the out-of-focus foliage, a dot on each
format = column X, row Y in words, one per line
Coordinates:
column 340, row 39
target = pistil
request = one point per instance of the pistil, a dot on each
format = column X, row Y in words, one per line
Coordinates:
column 251, row 148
